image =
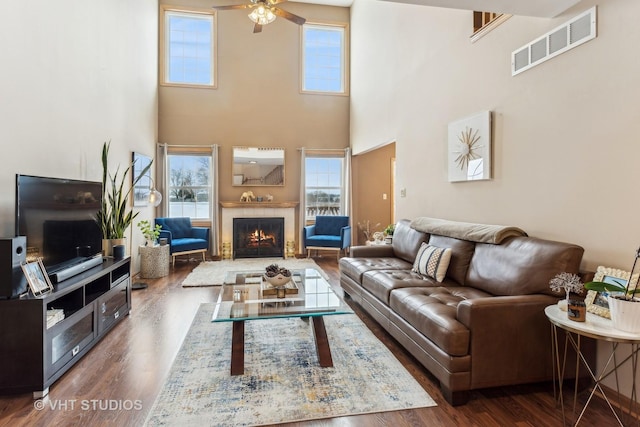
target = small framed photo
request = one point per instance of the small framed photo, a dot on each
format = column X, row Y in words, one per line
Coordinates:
column 37, row 277
column 143, row 184
column 597, row 302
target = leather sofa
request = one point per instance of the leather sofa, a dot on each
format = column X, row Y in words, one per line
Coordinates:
column 484, row 324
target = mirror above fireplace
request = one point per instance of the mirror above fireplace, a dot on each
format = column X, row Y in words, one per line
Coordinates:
column 256, row 166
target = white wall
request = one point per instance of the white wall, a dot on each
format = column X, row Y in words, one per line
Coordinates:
column 73, row 74
column 566, row 144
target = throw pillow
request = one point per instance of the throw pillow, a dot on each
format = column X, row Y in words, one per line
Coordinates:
column 432, row 261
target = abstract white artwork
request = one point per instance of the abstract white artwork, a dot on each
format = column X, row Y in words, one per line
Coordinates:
column 470, row 148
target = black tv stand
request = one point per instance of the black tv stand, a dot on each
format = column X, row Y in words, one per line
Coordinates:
column 43, row 337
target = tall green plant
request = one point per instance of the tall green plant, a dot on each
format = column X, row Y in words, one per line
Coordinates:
column 115, row 217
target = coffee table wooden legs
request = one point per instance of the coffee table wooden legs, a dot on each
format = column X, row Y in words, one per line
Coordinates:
column 322, row 342
column 237, row 348
column 237, row 345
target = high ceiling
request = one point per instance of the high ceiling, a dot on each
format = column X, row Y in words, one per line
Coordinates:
column 541, row 8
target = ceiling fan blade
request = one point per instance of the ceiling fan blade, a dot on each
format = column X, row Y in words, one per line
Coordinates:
column 257, row 28
column 288, row 15
column 233, row 6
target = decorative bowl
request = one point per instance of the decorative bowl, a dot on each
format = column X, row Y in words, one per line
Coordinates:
column 277, row 280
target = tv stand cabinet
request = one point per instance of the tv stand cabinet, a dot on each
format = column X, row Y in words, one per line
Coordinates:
column 33, row 353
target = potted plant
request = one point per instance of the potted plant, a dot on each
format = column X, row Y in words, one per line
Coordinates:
column 388, row 233
column 623, row 305
column 115, row 216
column 150, row 234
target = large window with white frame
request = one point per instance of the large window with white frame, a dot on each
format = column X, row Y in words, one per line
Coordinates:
column 188, row 53
column 189, row 185
column 324, row 186
column 324, row 59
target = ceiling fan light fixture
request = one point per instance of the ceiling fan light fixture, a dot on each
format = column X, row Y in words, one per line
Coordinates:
column 262, row 15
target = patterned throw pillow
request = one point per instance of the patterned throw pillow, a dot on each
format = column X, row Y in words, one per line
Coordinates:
column 432, row 261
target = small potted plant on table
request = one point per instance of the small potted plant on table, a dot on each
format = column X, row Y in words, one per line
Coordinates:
column 623, row 304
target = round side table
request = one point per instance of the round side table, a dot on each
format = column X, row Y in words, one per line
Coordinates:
column 154, row 261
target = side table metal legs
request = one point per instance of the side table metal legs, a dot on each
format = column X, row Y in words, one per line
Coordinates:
column 611, row 367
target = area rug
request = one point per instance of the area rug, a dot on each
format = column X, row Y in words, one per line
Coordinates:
column 212, row 273
column 282, row 381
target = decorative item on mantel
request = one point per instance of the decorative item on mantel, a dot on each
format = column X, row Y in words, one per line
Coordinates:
column 570, row 283
column 624, row 305
column 247, row 196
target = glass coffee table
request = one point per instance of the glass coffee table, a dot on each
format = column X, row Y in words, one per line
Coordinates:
column 246, row 296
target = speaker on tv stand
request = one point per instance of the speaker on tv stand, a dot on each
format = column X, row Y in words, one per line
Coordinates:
column 13, row 252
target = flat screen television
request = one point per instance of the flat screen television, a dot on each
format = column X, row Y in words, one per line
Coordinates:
column 58, row 218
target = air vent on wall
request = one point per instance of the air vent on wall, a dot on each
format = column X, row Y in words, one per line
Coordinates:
column 579, row 30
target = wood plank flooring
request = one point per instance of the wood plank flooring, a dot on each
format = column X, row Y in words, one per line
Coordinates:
column 116, row 383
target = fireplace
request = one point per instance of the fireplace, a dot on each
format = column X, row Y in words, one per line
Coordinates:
column 258, row 237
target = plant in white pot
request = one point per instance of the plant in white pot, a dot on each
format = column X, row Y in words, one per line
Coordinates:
column 150, row 234
column 623, row 304
column 115, row 215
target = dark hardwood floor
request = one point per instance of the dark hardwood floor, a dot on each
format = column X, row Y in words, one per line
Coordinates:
column 124, row 373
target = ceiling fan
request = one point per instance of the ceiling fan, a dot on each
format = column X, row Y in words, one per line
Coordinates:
column 264, row 12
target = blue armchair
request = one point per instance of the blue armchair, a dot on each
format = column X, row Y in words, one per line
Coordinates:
column 183, row 238
column 328, row 233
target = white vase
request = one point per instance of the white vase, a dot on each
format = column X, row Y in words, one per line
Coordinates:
column 625, row 314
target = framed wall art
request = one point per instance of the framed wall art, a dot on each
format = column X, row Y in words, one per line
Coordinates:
column 141, row 188
column 469, row 148
column 37, row 277
column 597, row 302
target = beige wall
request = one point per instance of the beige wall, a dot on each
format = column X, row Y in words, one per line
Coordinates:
column 566, row 132
column 566, row 145
column 74, row 74
column 372, row 181
column 257, row 102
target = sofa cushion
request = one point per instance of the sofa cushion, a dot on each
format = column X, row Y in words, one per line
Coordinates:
column 324, row 240
column 406, row 241
column 461, row 253
column 432, row 311
column 432, row 261
column 179, row 227
column 356, row 267
column 381, row 282
column 521, row 265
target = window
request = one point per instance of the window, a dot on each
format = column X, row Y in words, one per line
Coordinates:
column 188, row 48
column 324, row 186
column 190, row 185
column 324, row 59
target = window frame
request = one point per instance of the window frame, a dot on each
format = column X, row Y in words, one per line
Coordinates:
column 345, row 71
column 311, row 219
column 163, row 46
column 209, row 186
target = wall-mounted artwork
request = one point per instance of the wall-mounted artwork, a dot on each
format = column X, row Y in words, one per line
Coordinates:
column 141, row 188
column 470, row 148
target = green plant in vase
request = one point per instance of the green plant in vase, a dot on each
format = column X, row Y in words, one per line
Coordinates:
column 115, row 215
column 624, row 306
column 150, row 234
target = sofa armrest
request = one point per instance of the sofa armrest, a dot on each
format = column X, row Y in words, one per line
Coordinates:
column 510, row 338
column 200, row 233
column 373, row 251
column 309, row 230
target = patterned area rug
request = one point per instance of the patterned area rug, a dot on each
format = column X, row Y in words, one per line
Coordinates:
column 212, row 273
column 282, row 380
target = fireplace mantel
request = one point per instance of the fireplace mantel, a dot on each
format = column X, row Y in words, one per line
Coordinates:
column 259, row 205
column 237, row 209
